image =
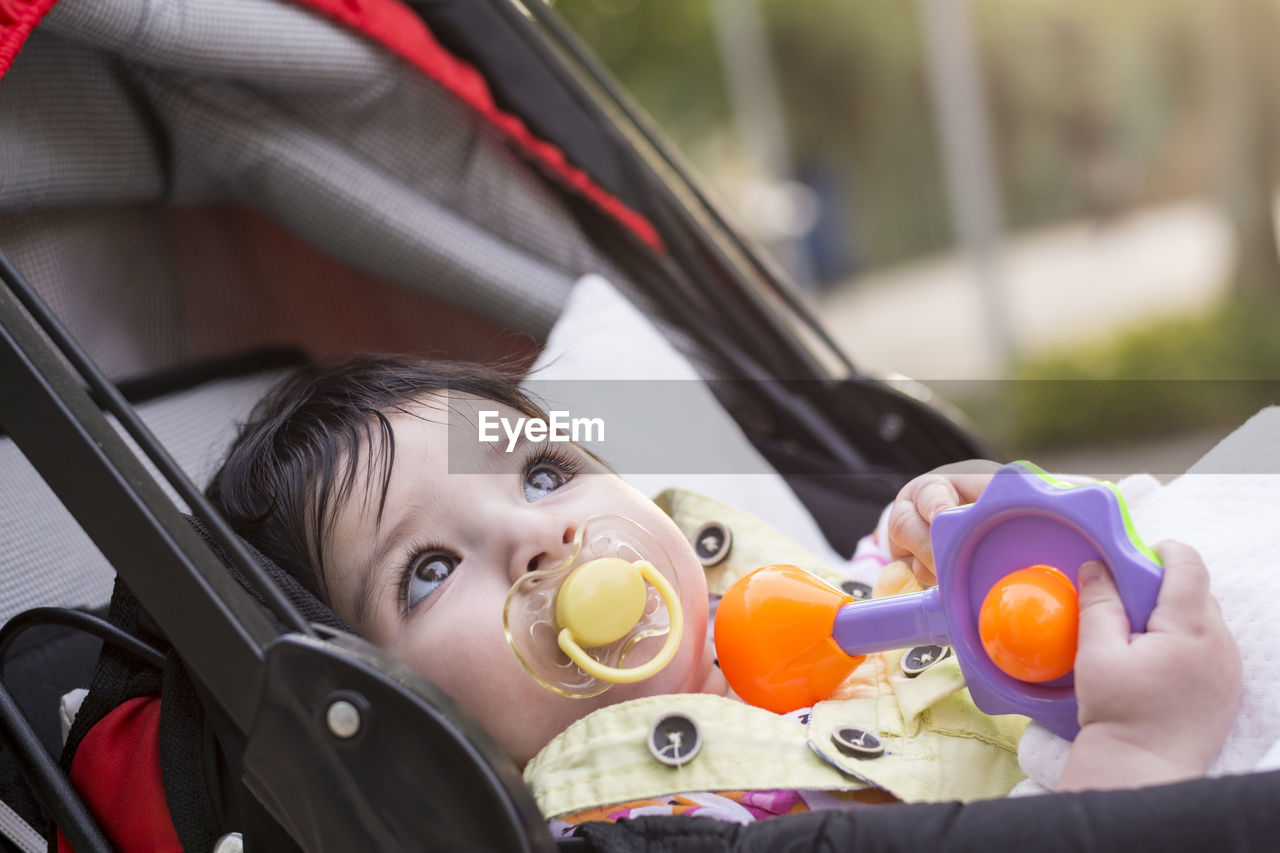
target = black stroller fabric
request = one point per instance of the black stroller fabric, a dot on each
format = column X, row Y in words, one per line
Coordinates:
column 203, row 797
column 42, row 665
column 1233, row 813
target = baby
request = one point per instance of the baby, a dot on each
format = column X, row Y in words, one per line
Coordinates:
column 352, row 479
column 366, row 481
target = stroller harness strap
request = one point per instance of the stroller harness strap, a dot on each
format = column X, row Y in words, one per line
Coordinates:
column 117, row 772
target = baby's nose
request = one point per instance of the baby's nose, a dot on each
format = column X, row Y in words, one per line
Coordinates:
column 553, row 553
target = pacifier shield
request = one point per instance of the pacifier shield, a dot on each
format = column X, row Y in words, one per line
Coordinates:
column 578, row 628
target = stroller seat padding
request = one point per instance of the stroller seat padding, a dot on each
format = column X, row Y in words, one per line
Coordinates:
column 45, row 557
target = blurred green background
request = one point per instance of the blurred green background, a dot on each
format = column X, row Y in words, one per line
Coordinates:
column 1094, row 106
column 822, row 132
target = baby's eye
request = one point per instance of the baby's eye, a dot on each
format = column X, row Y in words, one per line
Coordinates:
column 542, row 480
column 425, row 575
column 544, row 475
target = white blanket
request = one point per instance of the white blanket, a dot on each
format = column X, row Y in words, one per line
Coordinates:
column 1227, row 506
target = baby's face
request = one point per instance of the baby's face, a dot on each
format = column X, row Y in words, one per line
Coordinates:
column 429, row 582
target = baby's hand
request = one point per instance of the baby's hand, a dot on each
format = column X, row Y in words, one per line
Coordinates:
column 1154, row 707
column 922, row 499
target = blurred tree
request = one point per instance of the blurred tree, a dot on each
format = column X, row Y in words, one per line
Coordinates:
column 1096, row 105
column 664, row 52
column 1244, row 52
column 853, row 78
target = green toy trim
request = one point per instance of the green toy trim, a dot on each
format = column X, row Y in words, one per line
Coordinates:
column 1124, row 508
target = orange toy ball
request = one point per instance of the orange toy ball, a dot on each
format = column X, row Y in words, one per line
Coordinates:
column 773, row 639
column 1028, row 624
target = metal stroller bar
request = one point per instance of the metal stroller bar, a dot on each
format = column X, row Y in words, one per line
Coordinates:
column 50, row 785
column 48, row 781
column 69, row 440
column 109, row 398
column 80, row 621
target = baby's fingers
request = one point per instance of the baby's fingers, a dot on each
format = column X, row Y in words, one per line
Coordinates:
column 913, row 511
column 909, row 540
column 935, row 495
column 1184, row 602
column 968, row 479
column 920, row 502
column 1103, row 623
column 909, row 531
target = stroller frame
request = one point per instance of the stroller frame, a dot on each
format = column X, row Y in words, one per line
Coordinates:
column 272, row 688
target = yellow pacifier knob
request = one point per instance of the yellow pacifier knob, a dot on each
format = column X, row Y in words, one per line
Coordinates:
column 601, row 601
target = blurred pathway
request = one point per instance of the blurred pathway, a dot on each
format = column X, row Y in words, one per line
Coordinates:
column 1063, row 284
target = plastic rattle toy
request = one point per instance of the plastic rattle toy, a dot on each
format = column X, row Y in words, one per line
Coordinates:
column 576, row 627
column 1006, row 602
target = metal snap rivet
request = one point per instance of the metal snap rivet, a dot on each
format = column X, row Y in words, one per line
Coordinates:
column 229, row 843
column 857, row 590
column 343, row 719
column 891, row 427
column 712, row 543
column 920, row 658
column 857, row 742
column 674, row 739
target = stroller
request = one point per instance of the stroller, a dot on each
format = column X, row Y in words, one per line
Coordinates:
column 195, row 194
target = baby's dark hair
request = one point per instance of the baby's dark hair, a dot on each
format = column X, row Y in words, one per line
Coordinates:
column 295, row 462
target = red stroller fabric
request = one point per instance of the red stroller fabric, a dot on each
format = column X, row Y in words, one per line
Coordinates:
column 117, row 771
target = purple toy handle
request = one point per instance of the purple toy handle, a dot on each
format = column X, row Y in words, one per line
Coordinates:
column 1023, row 518
column 892, row 622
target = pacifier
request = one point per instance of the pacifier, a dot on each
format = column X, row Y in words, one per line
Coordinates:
column 575, row 627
